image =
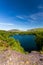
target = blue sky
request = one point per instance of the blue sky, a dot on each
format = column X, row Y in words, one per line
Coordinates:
column 21, row 14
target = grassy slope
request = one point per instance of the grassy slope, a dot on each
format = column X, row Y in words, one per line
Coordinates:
column 6, row 42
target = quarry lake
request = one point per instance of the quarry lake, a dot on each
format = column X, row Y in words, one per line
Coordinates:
column 26, row 41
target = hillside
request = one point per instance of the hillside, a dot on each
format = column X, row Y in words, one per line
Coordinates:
column 36, row 29
column 7, row 42
column 14, row 30
column 12, row 53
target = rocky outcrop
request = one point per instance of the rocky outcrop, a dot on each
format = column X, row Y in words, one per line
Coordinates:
column 10, row 57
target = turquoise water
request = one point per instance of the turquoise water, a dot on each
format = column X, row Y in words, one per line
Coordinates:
column 27, row 42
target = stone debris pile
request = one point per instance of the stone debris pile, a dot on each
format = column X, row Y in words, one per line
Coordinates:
column 10, row 57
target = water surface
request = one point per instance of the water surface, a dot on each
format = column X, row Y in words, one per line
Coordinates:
column 27, row 41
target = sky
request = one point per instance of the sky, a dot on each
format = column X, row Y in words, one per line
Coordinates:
column 21, row 14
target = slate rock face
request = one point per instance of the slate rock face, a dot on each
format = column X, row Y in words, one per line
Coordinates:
column 10, row 57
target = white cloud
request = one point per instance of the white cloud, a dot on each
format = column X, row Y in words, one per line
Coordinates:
column 20, row 17
column 36, row 16
column 6, row 24
column 33, row 17
column 40, row 7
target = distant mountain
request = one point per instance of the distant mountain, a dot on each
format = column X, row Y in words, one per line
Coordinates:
column 14, row 30
column 36, row 29
column 30, row 30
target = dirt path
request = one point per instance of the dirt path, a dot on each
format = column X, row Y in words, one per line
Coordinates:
column 10, row 57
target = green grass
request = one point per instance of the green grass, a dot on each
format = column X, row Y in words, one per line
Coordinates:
column 7, row 42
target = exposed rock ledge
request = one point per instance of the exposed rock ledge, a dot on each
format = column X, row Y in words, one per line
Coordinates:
column 10, row 57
